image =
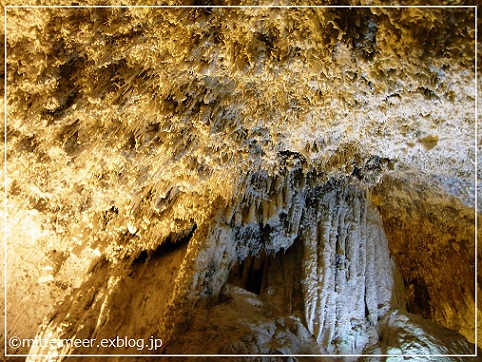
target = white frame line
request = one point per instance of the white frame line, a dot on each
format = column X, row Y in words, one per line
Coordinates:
column 5, row 174
column 476, row 183
column 244, row 6
column 6, row 7
column 241, row 355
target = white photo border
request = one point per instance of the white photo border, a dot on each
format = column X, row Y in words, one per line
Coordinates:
column 6, row 7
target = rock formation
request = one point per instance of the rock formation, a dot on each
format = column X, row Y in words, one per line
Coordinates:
column 247, row 181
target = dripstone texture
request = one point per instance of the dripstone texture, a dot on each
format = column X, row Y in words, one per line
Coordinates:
column 242, row 180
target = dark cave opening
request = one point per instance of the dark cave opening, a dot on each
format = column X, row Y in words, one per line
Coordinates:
column 250, row 273
column 418, row 301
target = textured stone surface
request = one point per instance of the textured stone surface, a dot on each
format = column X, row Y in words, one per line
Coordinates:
column 280, row 180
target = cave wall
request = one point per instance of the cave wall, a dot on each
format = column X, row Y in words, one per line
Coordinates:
column 330, row 271
column 435, row 251
column 316, row 165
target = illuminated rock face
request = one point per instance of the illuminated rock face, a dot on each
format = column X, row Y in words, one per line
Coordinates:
column 248, row 181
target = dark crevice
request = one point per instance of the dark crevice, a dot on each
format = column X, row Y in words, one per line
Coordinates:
column 419, row 301
column 250, row 273
column 172, row 243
